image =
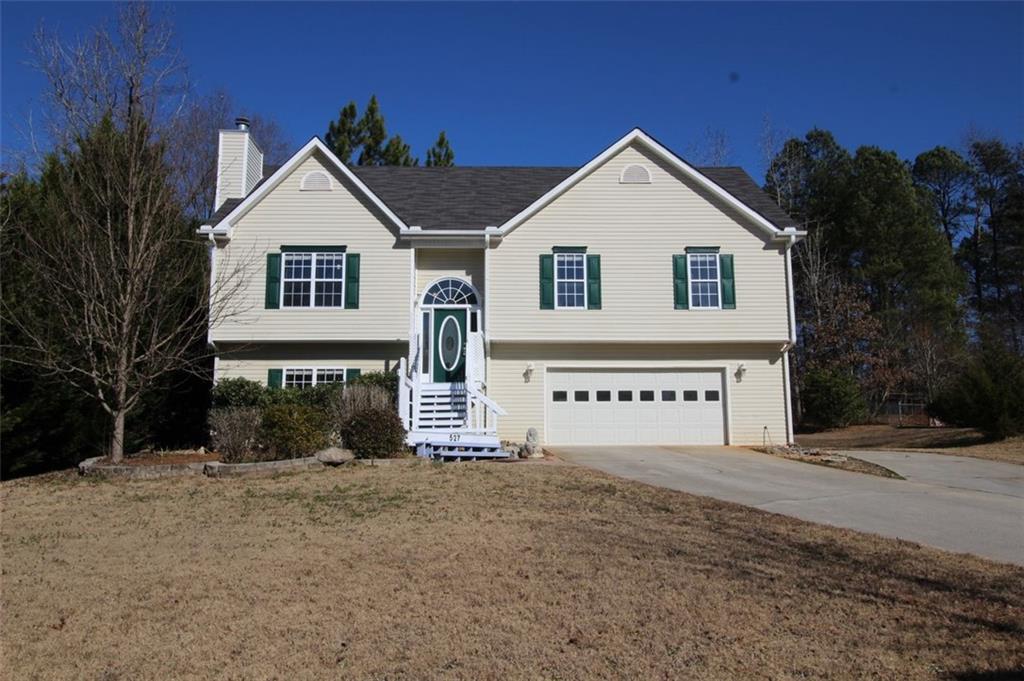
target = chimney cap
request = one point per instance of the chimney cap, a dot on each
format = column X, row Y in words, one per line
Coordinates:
column 243, row 123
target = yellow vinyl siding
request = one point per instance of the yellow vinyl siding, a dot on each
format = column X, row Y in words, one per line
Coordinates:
column 288, row 216
column 464, row 263
column 253, row 362
column 755, row 401
column 636, row 228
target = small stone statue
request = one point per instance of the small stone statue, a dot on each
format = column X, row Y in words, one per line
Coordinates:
column 532, row 446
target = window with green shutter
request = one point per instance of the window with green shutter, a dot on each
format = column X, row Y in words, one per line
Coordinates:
column 275, row 378
column 547, row 281
column 273, row 293
column 704, row 279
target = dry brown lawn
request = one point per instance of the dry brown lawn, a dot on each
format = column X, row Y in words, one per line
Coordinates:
column 474, row 571
column 951, row 441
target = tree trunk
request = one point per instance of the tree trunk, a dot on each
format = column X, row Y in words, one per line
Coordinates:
column 117, row 441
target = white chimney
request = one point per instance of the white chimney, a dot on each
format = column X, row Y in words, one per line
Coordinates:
column 239, row 163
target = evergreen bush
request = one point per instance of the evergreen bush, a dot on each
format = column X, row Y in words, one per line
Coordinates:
column 832, row 399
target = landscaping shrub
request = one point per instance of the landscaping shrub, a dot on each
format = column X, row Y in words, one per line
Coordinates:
column 988, row 394
column 290, row 431
column 238, row 392
column 832, row 399
column 318, row 396
column 355, row 398
column 375, row 433
column 386, row 380
column 233, row 432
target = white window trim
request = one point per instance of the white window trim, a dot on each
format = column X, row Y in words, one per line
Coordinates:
column 312, row 281
column 689, row 279
column 315, row 370
column 586, row 297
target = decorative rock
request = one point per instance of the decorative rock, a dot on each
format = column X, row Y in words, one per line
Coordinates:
column 216, row 469
column 334, row 456
column 532, row 447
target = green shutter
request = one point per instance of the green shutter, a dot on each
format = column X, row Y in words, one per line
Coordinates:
column 728, row 282
column 593, row 282
column 680, row 287
column 275, row 378
column 273, row 299
column 352, row 281
column 351, row 374
column 547, row 281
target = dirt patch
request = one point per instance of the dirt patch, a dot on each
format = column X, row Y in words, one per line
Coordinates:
column 829, row 459
column 473, row 571
column 950, row 441
column 162, row 458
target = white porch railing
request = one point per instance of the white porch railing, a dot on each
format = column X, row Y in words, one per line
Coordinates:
column 481, row 412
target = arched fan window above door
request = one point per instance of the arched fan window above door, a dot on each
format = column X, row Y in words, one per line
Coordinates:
column 450, row 292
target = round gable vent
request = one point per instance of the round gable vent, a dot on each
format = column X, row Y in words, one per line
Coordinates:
column 316, row 181
column 635, row 174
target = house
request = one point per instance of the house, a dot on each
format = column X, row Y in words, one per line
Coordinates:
column 635, row 299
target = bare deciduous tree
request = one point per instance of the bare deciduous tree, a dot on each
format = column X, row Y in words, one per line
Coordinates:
column 712, row 150
column 118, row 278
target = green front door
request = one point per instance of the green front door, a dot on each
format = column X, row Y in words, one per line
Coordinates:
column 449, row 346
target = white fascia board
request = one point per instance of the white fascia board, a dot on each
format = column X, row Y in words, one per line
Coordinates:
column 313, row 145
column 638, row 135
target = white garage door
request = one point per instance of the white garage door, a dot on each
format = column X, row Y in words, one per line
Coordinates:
column 658, row 406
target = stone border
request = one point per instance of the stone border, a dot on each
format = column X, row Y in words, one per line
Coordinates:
column 92, row 466
column 216, row 469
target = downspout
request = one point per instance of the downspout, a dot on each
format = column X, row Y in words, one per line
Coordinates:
column 487, row 306
column 790, row 242
column 209, row 311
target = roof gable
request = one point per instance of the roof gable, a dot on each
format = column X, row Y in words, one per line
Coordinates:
column 227, row 215
column 735, row 177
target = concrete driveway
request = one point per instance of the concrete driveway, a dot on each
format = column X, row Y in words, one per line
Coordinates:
column 953, row 503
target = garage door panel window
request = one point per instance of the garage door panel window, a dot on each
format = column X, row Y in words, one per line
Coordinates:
column 581, row 396
column 710, row 395
column 689, row 396
column 625, row 396
column 668, row 395
column 559, row 396
column 603, row 395
column 646, row 395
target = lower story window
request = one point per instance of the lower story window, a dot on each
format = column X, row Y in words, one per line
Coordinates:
column 308, row 377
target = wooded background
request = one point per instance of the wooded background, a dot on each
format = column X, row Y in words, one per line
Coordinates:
column 910, row 284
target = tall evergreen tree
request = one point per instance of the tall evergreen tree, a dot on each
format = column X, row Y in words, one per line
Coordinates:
column 345, row 135
column 398, row 153
column 374, row 135
column 945, row 177
column 441, row 155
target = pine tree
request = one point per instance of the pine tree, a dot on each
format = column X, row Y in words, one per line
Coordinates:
column 344, row 136
column 398, row 153
column 374, row 135
column 441, row 155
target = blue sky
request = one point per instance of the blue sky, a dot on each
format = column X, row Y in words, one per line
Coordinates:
column 552, row 84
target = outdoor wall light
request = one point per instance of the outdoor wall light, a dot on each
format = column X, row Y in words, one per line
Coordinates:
column 528, row 374
column 740, row 371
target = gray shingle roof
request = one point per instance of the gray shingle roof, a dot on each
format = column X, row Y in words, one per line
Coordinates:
column 474, row 197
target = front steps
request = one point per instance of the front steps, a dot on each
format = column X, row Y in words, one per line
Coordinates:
column 440, row 430
column 456, row 446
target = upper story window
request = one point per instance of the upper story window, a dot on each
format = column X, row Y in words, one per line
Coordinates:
column 313, row 280
column 316, row 181
column 635, row 174
column 570, row 280
column 704, row 281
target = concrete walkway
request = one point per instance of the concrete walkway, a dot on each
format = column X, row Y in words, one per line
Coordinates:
column 953, row 503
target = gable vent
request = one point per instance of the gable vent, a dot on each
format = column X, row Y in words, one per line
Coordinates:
column 316, row 181
column 635, row 174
